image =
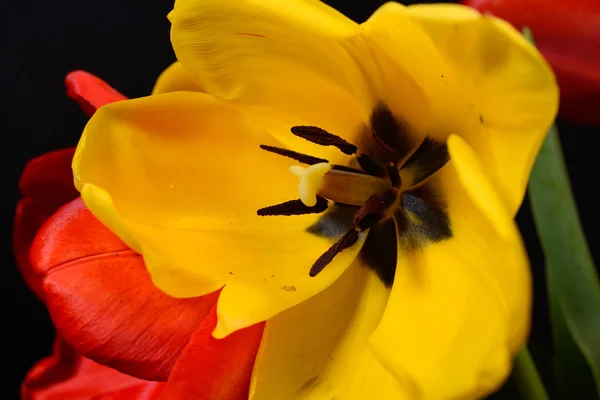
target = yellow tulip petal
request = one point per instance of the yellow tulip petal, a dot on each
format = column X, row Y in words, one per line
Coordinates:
column 513, row 278
column 174, row 79
column 187, row 176
column 415, row 77
column 99, row 202
column 459, row 309
column 295, row 57
column 318, row 349
column 509, row 83
column 232, row 47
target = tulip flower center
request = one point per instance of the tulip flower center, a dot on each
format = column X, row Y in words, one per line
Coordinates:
column 388, row 194
column 340, row 186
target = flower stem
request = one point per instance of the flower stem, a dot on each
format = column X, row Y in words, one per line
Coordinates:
column 527, row 379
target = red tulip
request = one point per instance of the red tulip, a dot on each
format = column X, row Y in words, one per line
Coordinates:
column 47, row 182
column 90, row 92
column 567, row 32
column 68, row 375
column 118, row 335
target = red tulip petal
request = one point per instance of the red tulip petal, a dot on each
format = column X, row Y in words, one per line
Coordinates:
column 30, row 215
column 579, row 81
column 90, row 91
column 46, row 184
column 210, row 368
column 103, row 302
column 567, row 33
column 68, row 375
column 49, row 177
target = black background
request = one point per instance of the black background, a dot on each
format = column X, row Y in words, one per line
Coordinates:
column 126, row 42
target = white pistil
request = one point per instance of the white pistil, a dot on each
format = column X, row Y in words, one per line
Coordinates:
column 311, row 181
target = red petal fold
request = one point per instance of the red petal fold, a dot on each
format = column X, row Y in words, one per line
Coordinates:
column 49, row 177
column 212, row 368
column 46, row 184
column 103, row 302
column 30, row 215
column 90, row 91
column 68, row 375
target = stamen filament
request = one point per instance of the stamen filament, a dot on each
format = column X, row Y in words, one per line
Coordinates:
column 394, row 175
column 351, row 188
column 375, row 209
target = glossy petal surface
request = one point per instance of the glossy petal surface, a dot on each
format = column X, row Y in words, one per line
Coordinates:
column 318, row 349
column 464, row 301
column 567, row 33
column 90, row 92
column 102, row 301
column 511, row 90
column 175, row 78
column 299, row 58
column 187, row 176
column 68, row 375
column 212, row 368
column 46, row 184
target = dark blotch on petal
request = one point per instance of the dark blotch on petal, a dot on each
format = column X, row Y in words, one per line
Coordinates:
column 394, row 175
column 369, row 165
column 426, row 160
column 391, row 130
column 380, row 252
column 374, row 209
column 432, row 222
column 334, row 223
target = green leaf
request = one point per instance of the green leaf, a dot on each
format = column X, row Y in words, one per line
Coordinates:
column 569, row 364
column 573, row 286
column 527, row 378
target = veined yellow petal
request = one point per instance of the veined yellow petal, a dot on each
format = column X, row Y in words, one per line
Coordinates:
column 513, row 278
column 296, row 57
column 415, row 80
column 230, row 47
column 187, row 176
column 99, row 202
column 510, row 85
column 465, row 299
column 482, row 193
column 174, row 79
column 318, row 349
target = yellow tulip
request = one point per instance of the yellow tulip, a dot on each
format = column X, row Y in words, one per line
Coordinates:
column 393, row 270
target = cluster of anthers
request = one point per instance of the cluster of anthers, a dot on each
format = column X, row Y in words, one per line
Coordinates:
column 388, row 187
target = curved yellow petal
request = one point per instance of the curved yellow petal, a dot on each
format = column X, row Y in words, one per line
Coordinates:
column 186, row 176
column 513, row 279
column 415, row 79
column 510, row 85
column 236, row 46
column 459, row 309
column 174, row 79
column 318, row 349
column 295, row 57
column 99, row 202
